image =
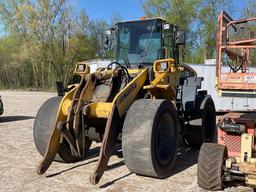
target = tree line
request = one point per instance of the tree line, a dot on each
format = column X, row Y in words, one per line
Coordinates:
column 43, row 39
column 199, row 19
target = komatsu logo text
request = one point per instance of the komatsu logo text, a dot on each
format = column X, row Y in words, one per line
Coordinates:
column 127, row 93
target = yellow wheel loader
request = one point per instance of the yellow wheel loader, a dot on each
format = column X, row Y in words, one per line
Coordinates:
column 146, row 100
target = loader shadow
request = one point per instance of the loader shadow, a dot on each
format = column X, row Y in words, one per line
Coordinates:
column 186, row 157
column 5, row 119
column 112, row 182
column 94, row 152
column 118, row 153
column 115, row 165
column 80, row 165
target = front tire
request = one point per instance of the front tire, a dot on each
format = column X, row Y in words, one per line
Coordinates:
column 43, row 127
column 150, row 137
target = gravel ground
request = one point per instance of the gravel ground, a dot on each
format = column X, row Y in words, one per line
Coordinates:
column 19, row 158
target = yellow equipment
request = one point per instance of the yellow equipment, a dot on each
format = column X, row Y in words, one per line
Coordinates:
column 146, row 100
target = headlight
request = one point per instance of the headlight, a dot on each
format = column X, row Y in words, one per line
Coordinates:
column 81, row 68
column 163, row 66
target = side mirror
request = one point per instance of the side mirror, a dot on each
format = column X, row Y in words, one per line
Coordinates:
column 109, row 38
column 164, row 51
column 180, row 38
column 106, row 43
column 60, row 88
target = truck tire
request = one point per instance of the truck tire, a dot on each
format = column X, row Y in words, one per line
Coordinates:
column 150, row 137
column 43, row 127
column 209, row 169
column 202, row 129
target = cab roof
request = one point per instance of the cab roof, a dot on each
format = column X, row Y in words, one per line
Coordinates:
column 144, row 19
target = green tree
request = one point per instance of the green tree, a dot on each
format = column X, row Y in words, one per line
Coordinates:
column 98, row 30
column 178, row 12
column 50, row 37
column 197, row 17
column 207, row 26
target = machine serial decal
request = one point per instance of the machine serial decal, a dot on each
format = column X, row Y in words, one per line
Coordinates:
column 250, row 79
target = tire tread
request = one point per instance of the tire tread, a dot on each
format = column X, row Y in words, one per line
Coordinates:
column 209, row 170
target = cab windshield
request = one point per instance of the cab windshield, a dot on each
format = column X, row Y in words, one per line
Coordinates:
column 139, row 42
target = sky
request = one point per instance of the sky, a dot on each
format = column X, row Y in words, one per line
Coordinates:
column 127, row 9
column 106, row 9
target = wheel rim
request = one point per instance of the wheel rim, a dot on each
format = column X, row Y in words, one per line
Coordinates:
column 164, row 145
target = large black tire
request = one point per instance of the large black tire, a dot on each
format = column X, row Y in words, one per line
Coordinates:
column 210, row 166
column 150, row 137
column 43, row 127
column 202, row 129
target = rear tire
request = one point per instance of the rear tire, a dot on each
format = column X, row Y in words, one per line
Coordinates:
column 209, row 169
column 150, row 137
column 202, row 129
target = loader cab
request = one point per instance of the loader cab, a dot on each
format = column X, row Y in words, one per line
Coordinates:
column 142, row 42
